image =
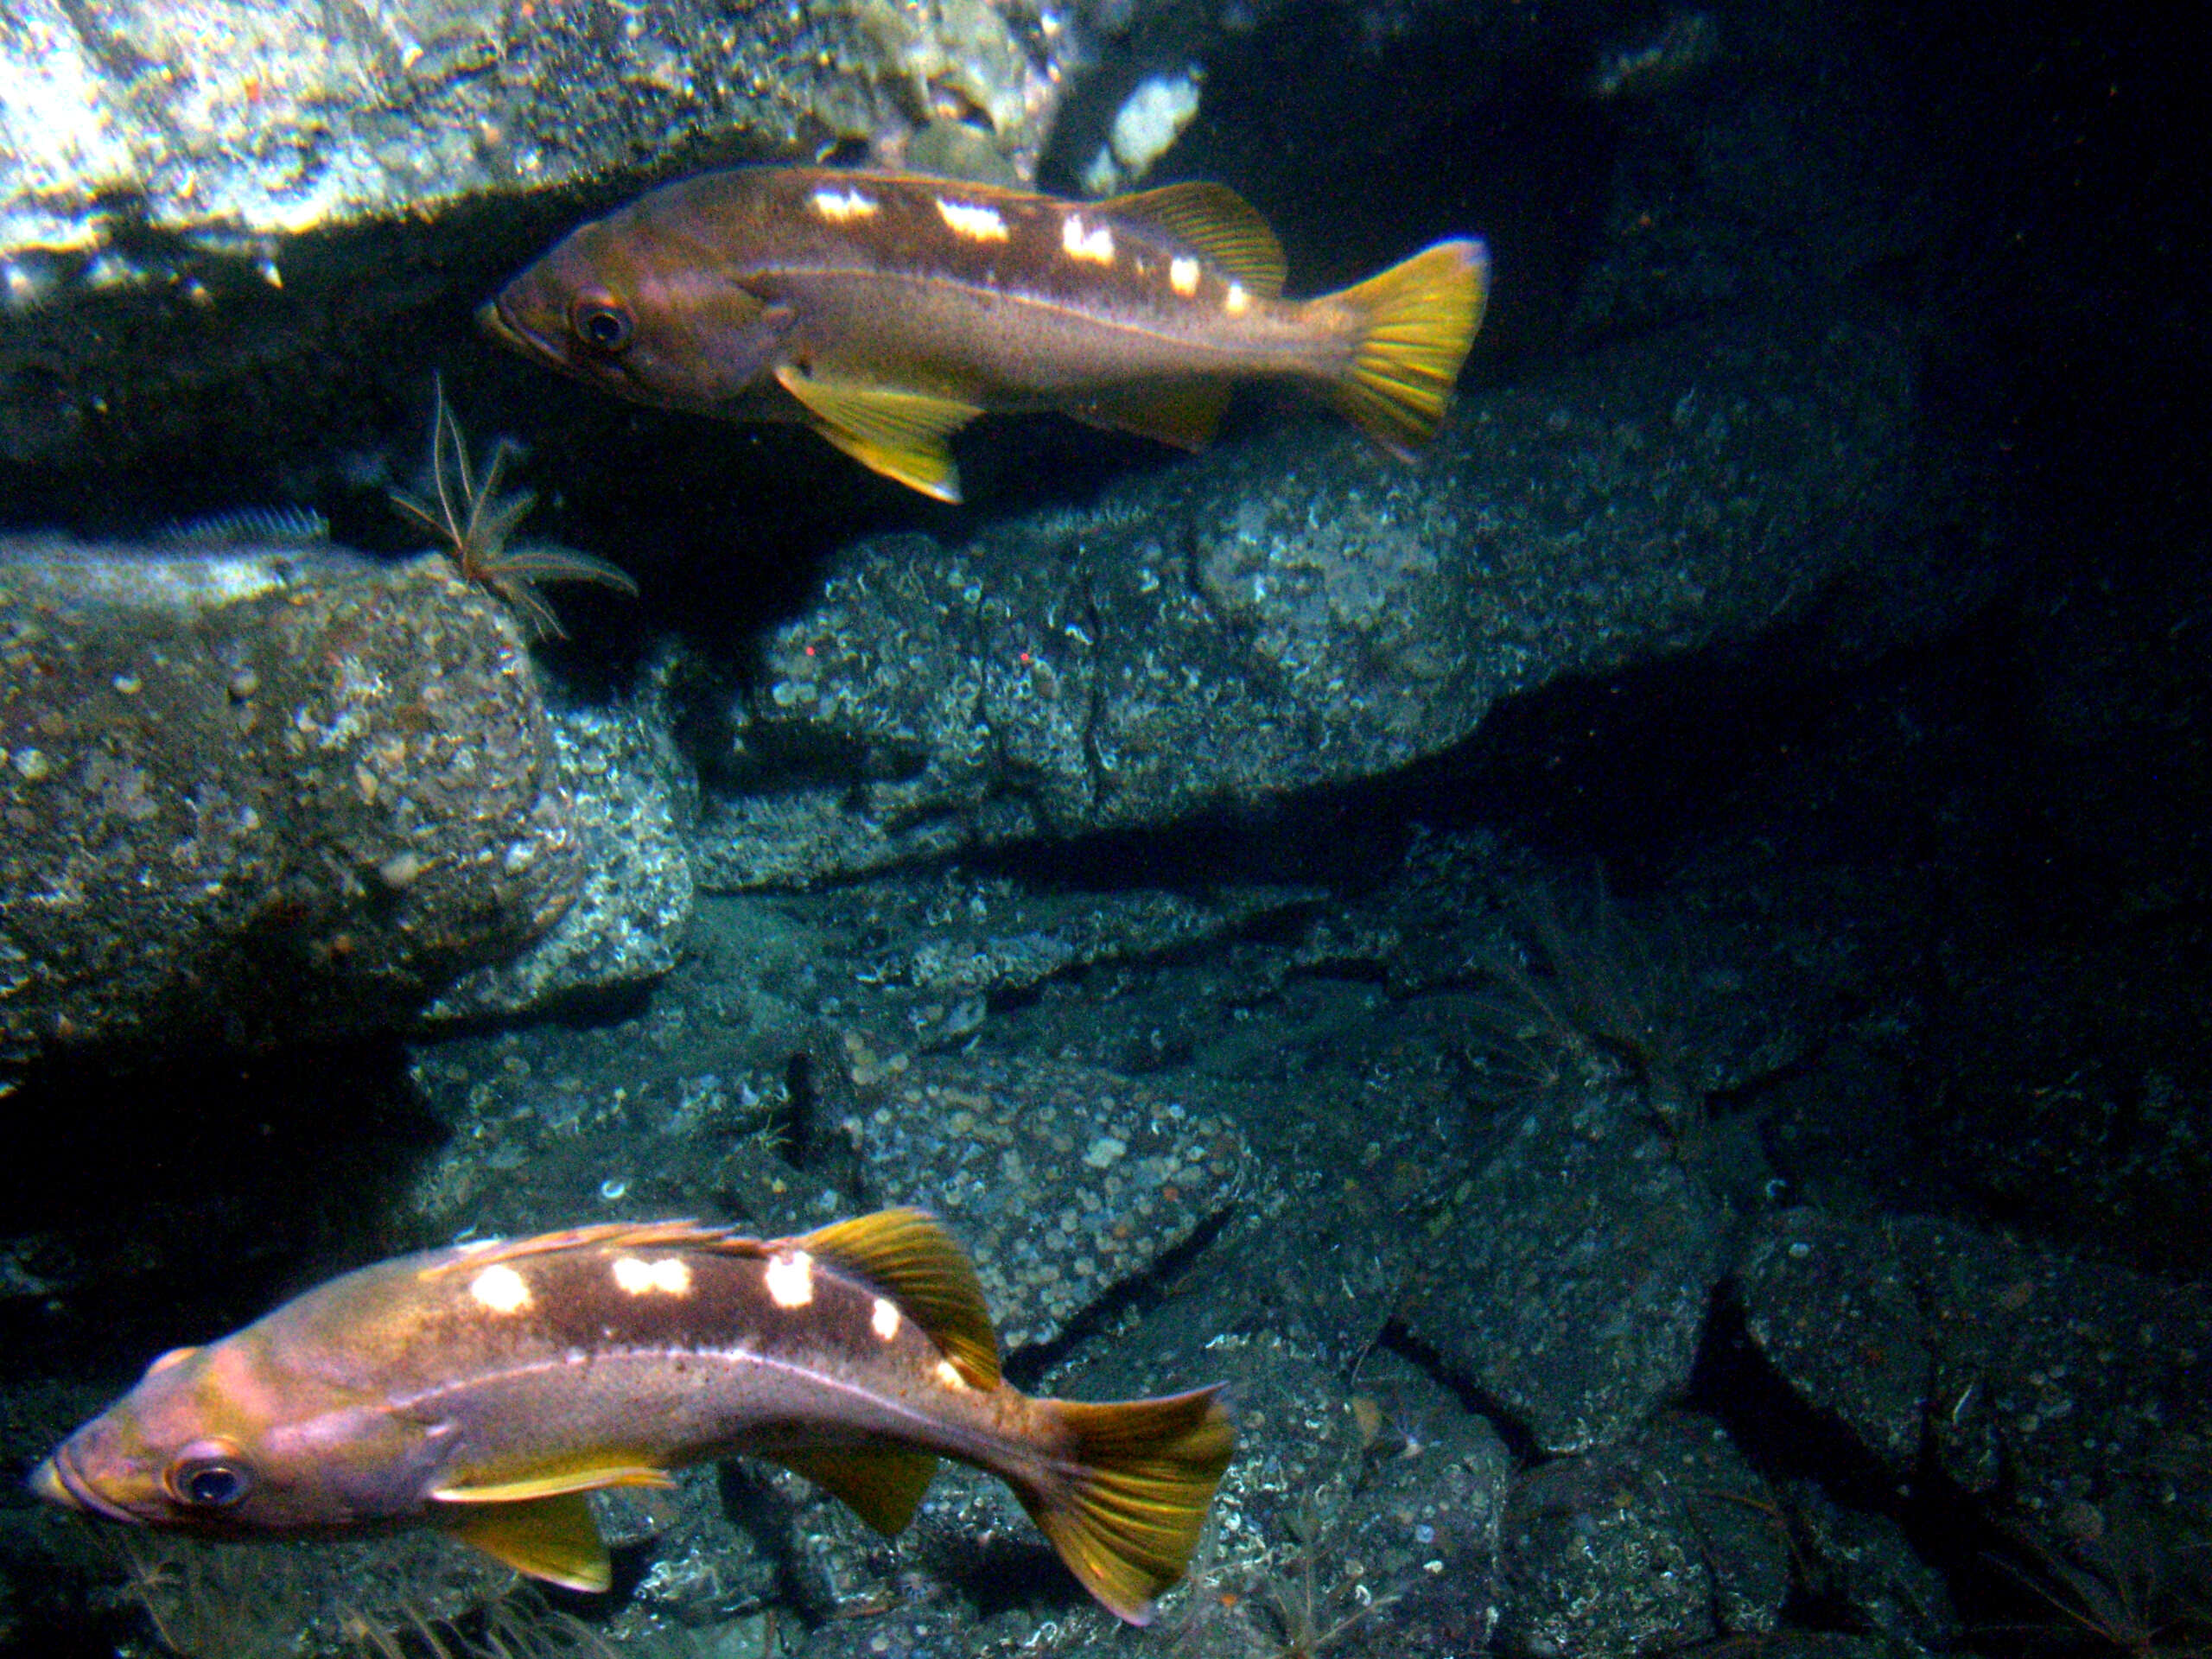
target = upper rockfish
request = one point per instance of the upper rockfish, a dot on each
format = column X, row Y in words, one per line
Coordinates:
column 887, row 311
column 488, row 1387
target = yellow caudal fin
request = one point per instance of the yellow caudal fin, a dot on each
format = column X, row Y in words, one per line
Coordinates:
column 1414, row 324
column 1134, row 1483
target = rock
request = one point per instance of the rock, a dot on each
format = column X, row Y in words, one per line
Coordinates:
column 2054, row 1380
column 1012, row 1155
column 1302, row 611
column 261, row 795
column 1667, row 1540
column 626, row 788
column 1572, row 1286
column 238, row 123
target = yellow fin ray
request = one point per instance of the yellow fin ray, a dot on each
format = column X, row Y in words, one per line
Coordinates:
column 908, row 1255
column 1137, row 1478
column 1416, row 321
column 556, row 1482
column 898, row 433
column 552, row 1538
column 884, row 1488
column 1185, row 414
column 1215, row 221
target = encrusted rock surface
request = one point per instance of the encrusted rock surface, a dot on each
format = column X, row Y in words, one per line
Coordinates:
column 1572, row 1283
column 625, row 788
column 2058, row 1380
column 239, row 120
column 261, row 796
column 1303, row 610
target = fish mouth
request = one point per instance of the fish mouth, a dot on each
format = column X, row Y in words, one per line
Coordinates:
column 59, row 1481
column 493, row 322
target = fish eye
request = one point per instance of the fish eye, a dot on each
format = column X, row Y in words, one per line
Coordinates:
column 208, row 1476
column 601, row 322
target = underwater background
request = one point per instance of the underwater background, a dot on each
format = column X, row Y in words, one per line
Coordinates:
column 1633, row 983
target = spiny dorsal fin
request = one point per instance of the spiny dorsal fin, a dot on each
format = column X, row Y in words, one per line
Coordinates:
column 1218, row 222
column 884, row 1488
column 910, row 1257
column 632, row 1234
column 552, row 1538
column 898, row 433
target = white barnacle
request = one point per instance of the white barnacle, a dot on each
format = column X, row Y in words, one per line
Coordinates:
column 1183, row 275
column 1093, row 243
column 501, row 1288
column 791, row 1279
column 976, row 223
column 885, row 1318
column 842, row 206
column 1237, row 301
column 671, row 1276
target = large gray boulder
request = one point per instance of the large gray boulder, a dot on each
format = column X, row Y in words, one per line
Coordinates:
column 261, row 794
column 1301, row 611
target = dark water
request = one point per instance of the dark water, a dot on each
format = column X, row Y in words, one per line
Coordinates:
column 1666, row 1066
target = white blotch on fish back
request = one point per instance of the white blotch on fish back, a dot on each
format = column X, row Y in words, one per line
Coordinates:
column 949, row 1374
column 501, row 1288
column 1094, row 244
column 671, row 1276
column 976, row 223
column 885, row 1318
column 1237, row 301
column 1183, row 275
column 842, row 207
column 791, row 1279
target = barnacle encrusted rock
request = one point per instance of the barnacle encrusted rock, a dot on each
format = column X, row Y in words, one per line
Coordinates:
column 260, row 795
column 1303, row 612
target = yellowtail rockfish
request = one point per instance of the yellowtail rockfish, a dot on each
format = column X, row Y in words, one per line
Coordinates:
column 887, row 311
column 487, row 1388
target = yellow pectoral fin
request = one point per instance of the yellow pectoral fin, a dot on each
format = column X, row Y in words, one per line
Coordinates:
column 551, row 1538
column 900, row 434
column 883, row 1488
column 553, row 1483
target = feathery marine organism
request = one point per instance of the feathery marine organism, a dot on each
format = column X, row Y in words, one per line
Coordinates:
column 489, row 1387
column 477, row 524
column 888, row 310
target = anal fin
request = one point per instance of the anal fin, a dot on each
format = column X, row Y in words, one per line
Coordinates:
column 884, row 1488
column 1183, row 413
column 551, row 1538
column 898, row 433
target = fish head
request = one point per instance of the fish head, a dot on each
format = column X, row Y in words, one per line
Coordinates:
column 641, row 312
column 232, row 1441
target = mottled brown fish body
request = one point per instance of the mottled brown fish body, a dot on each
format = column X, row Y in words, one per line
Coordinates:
column 487, row 1388
column 887, row 311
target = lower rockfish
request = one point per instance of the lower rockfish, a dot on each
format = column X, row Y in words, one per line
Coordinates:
column 487, row 1388
column 888, row 310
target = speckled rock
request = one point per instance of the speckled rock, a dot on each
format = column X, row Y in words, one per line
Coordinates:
column 1303, row 610
column 261, row 797
column 1661, row 1542
column 240, row 121
column 1063, row 1181
column 627, row 788
column 1572, row 1282
column 2062, row 1381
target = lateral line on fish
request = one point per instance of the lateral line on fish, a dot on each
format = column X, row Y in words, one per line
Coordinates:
column 1098, row 319
column 637, row 1351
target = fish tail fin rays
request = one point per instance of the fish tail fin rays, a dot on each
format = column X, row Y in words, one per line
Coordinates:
column 1133, row 1484
column 1414, row 324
